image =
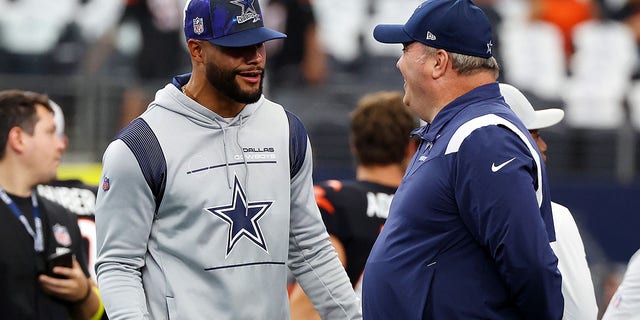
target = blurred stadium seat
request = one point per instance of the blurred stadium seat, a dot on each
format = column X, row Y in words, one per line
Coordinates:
column 601, row 71
column 385, row 11
column 339, row 22
column 533, row 57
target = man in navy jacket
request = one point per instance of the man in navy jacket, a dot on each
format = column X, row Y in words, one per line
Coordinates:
column 468, row 231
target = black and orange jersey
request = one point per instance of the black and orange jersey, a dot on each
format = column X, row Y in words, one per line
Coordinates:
column 78, row 198
column 354, row 212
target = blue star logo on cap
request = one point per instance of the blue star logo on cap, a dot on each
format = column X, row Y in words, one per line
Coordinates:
column 489, row 46
column 248, row 11
column 242, row 217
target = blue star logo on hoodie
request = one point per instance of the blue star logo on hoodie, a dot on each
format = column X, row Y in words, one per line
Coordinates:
column 242, row 217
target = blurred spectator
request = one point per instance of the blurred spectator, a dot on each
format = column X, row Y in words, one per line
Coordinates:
column 300, row 58
column 339, row 23
column 627, row 11
column 566, row 14
column 633, row 19
column 43, row 37
column 160, row 25
column 30, row 31
column 97, row 17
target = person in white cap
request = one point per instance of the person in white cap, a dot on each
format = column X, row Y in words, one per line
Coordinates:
column 577, row 286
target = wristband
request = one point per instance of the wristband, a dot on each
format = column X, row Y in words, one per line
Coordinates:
column 100, row 311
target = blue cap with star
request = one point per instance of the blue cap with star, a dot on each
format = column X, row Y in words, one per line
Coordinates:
column 227, row 23
column 457, row 26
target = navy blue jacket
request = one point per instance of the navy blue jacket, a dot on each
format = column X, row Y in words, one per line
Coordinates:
column 468, row 231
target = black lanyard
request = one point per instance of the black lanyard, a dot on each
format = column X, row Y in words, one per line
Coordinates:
column 38, row 242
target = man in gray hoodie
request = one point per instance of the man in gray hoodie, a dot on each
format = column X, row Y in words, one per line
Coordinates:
column 207, row 197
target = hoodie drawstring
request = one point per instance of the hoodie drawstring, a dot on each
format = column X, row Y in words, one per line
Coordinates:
column 246, row 166
column 224, row 146
column 226, row 158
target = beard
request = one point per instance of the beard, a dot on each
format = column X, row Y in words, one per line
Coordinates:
column 225, row 82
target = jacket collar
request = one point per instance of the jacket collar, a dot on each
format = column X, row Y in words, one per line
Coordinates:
column 430, row 131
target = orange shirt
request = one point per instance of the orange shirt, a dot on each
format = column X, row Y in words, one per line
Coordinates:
column 566, row 14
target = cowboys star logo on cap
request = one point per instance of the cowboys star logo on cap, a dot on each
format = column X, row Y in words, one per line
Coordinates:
column 227, row 23
column 461, row 27
column 248, row 11
column 198, row 25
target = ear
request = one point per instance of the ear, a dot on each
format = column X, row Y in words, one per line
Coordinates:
column 196, row 50
column 15, row 140
column 441, row 63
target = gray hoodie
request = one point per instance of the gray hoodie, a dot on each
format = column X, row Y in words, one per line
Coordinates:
column 198, row 217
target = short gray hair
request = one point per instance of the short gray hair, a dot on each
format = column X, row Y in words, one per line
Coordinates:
column 467, row 65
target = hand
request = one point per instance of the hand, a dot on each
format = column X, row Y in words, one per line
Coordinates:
column 73, row 287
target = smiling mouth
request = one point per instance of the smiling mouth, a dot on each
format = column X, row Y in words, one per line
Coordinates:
column 251, row 76
column 251, row 72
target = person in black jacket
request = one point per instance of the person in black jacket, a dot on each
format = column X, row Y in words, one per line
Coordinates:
column 32, row 229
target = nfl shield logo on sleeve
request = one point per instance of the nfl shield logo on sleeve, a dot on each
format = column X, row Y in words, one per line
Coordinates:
column 198, row 25
column 62, row 235
column 106, row 184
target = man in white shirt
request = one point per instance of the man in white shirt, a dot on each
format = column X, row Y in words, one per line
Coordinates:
column 577, row 286
column 625, row 303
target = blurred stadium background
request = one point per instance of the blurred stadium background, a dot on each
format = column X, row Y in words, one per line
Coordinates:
column 85, row 54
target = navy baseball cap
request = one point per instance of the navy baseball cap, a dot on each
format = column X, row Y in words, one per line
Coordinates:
column 457, row 26
column 227, row 23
